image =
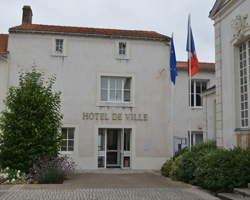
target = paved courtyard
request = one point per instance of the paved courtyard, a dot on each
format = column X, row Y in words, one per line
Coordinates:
column 94, row 186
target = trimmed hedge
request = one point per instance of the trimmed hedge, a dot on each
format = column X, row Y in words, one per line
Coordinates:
column 207, row 166
column 166, row 167
column 223, row 170
column 186, row 163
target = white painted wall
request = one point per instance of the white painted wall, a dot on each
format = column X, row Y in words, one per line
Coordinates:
column 227, row 110
column 209, row 116
column 77, row 80
column 3, row 81
column 184, row 117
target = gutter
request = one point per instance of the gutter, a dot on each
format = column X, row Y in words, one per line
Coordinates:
column 204, row 69
column 167, row 39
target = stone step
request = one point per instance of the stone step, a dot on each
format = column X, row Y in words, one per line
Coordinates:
column 232, row 196
column 243, row 191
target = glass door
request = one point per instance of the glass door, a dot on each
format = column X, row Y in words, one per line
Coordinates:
column 113, row 148
column 126, row 148
column 102, row 147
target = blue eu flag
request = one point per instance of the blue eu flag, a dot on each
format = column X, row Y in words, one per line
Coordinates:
column 173, row 72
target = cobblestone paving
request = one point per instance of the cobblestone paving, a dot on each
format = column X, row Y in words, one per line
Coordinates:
column 131, row 188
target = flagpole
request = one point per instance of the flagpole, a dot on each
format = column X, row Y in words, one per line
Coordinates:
column 190, row 81
column 172, row 108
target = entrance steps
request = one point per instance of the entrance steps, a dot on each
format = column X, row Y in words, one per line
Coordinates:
column 239, row 194
column 117, row 171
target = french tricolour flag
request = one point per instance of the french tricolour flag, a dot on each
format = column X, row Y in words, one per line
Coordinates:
column 193, row 63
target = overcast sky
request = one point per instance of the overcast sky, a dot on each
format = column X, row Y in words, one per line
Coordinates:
column 163, row 16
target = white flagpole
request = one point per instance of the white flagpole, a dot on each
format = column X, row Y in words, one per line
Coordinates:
column 172, row 107
column 190, row 81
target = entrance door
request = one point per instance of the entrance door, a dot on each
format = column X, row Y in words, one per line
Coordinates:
column 114, row 148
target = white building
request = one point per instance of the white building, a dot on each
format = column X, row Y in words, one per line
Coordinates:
column 232, row 49
column 190, row 119
column 115, row 92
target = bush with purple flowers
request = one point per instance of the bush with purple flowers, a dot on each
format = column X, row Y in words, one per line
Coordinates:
column 54, row 170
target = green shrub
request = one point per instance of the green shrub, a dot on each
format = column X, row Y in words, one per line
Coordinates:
column 52, row 176
column 223, row 170
column 180, row 152
column 185, row 164
column 30, row 125
column 166, row 168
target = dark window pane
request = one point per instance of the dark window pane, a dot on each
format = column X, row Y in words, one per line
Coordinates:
column 71, row 133
column 127, row 96
column 127, row 134
column 127, row 84
column 64, row 133
column 100, row 162
column 70, row 145
column 198, row 100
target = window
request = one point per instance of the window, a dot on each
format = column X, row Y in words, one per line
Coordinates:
column 59, row 45
column 196, row 137
column 244, row 75
column 197, row 87
column 122, row 48
column 115, row 89
column 68, row 139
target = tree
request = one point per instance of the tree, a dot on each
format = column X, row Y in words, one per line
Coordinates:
column 30, row 125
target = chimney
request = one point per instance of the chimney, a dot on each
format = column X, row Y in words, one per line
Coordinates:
column 27, row 15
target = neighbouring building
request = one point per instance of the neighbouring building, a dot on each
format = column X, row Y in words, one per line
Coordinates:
column 116, row 91
column 232, row 52
column 189, row 118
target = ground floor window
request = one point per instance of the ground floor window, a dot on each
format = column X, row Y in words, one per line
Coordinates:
column 68, row 135
column 179, row 143
column 196, row 137
column 244, row 80
column 114, row 147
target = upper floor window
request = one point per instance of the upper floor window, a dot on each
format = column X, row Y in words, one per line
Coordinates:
column 59, row 45
column 68, row 135
column 197, row 87
column 244, row 73
column 115, row 89
column 122, row 50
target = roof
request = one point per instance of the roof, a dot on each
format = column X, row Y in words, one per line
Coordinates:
column 218, row 5
column 84, row 31
column 204, row 66
column 3, row 43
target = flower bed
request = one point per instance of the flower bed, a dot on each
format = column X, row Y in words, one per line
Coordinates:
column 45, row 170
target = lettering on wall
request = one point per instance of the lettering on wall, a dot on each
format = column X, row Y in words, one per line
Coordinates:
column 114, row 116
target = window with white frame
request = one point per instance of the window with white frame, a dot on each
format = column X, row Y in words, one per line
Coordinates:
column 59, row 46
column 68, row 135
column 115, row 89
column 244, row 75
column 197, row 87
column 196, row 137
column 122, row 48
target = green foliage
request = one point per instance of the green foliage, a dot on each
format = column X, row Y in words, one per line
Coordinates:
column 186, row 163
column 8, row 175
column 30, row 124
column 180, row 152
column 166, row 167
column 223, row 170
column 52, row 175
